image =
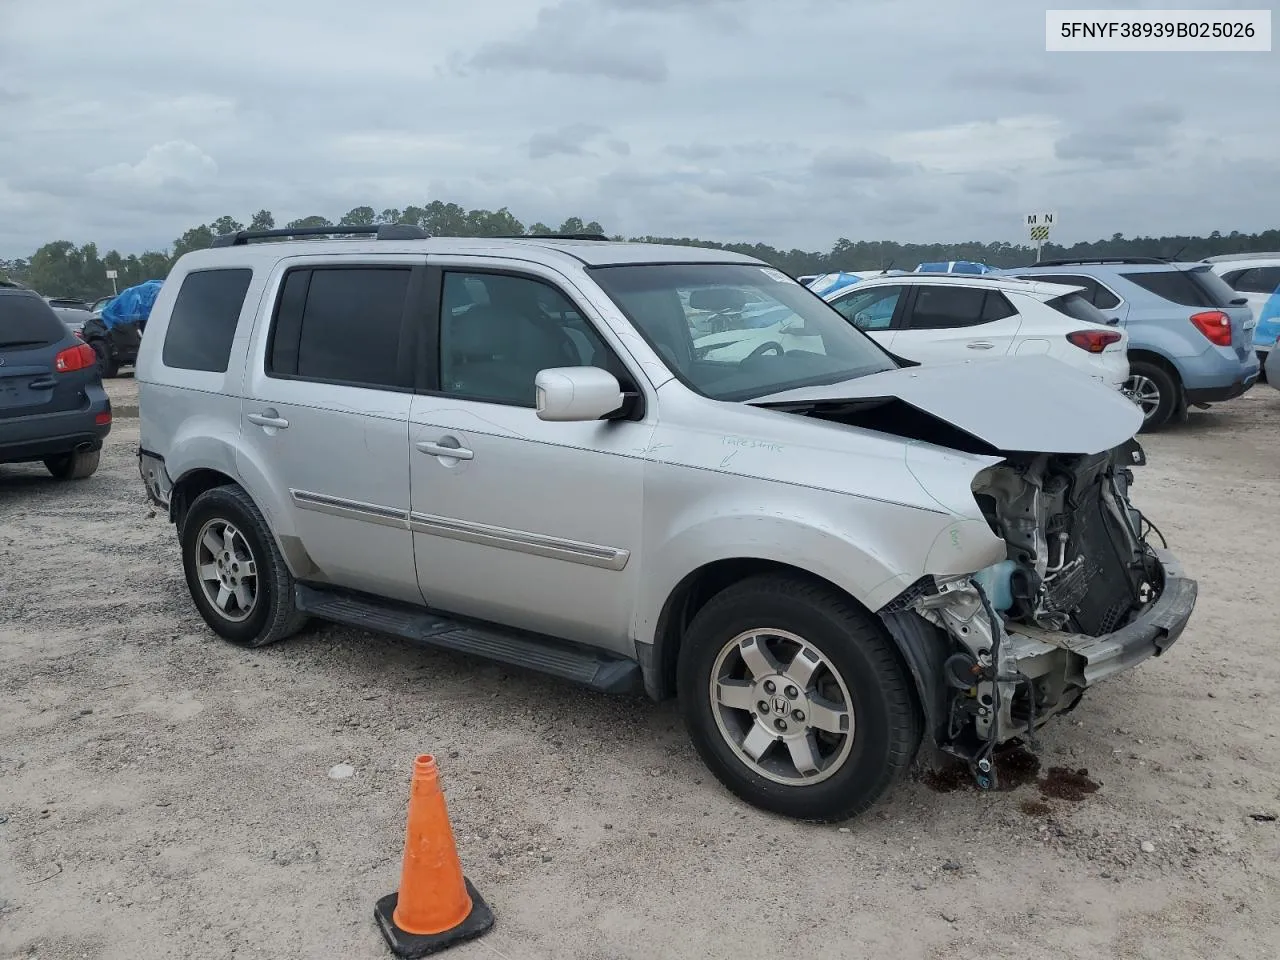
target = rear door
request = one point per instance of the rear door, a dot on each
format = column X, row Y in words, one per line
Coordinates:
column 949, row 323
column 326, row 414
column 31, row 339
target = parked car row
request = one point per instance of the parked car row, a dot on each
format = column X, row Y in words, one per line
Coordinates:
column 672, row 469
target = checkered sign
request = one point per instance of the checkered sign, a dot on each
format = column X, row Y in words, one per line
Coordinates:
column 1039, row 234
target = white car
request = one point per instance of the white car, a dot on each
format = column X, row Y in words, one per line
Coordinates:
column 950, row 318
column 1255, row 276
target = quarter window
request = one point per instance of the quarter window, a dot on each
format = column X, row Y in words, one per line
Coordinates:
column 203, row 322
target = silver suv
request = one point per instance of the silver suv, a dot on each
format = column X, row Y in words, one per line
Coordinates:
column 519, row 448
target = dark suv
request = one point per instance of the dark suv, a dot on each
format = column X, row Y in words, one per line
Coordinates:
column 53, row 408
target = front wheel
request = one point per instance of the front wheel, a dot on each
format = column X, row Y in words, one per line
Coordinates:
column 235, row 573
column 1154, row 391
column 795, row 699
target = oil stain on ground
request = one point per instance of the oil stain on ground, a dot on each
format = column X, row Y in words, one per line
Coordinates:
column 1018, row 767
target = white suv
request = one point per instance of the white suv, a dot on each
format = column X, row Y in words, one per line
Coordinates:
column 515, row 448
column 948, row 318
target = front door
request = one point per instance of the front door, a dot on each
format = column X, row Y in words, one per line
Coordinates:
column 515, row 520
column 326, row 416
column 872, row 310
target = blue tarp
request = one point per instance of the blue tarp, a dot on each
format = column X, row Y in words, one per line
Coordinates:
column 133, row 305
column 831, row 282
column 1268, row 329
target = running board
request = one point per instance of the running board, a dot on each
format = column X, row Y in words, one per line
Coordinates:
column 558, row 658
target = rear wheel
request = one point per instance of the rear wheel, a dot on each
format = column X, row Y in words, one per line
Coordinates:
column 795, row 699
column 1154, row 390
column 76, row 465
column 106, row 364
column 235, row 573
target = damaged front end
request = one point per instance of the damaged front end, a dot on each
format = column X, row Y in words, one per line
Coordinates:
column 1080, row 596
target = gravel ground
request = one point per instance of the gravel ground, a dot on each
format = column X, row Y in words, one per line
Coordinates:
column 165, row 794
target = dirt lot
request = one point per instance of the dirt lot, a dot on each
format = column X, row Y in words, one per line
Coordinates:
column 165, row 794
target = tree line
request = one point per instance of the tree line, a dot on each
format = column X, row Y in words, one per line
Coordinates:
column 61, row 268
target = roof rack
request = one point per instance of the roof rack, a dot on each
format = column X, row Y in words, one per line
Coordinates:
column 1069, row 261
column 551, row 236
column 382, row 231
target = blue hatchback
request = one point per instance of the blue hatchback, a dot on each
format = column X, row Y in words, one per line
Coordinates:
column 1191, row 337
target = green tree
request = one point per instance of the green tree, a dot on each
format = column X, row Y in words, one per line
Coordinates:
column 262, row 220
column 358, row 217
column 197, row 238
column 225, row 225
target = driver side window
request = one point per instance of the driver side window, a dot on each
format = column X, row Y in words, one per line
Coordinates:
column 497, row 331
column 870, row 310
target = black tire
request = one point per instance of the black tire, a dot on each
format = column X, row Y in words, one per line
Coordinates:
column 886, row 719
column 1165, row 384
column 76, row 465
column 107, row 365
column 273, row 615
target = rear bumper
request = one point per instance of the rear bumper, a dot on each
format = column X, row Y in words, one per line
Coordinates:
column 26, row 439
column 1229, row 392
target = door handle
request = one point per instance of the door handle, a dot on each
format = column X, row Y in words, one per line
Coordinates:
column 443, row 450
column 268, row 419
column 980, row 345
column 48, row 383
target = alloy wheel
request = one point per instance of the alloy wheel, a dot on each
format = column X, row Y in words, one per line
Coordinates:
column 227, row 570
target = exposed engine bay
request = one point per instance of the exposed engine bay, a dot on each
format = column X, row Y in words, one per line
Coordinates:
column 1031, row 632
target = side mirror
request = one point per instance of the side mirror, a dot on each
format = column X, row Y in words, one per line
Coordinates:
column 576, row 394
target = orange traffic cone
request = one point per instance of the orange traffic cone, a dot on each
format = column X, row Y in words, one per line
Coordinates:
column 436, row 905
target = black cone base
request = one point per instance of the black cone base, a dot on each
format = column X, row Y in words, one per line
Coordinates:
column 413, row 945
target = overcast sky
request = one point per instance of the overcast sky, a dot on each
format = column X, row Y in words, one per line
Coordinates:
column 792, row 122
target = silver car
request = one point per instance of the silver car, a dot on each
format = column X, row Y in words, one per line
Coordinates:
column 520, row 449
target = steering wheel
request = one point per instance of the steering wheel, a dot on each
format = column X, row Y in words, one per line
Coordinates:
column 764, row 348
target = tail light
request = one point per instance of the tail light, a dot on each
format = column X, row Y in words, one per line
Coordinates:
column 103, row 418
column 1094, row 341
column 79, row 357
column 1215, row 325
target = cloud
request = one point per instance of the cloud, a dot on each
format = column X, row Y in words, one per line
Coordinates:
column 572, row 39
column 791, row 123
column 165, row 165
column 1123, row 137
column 855, row 164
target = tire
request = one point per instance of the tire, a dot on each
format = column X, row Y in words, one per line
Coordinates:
column 270, row 615
column 1154, row 389
column 856, row 660
column 107, row 365
column 76, row 465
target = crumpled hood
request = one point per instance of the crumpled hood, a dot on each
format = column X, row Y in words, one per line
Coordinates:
column 1014, row 404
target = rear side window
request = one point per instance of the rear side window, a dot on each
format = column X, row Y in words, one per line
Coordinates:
column 1077, row 307
column 1257, row 280
column 342, row 325
column 203, row 322
column 940, row 308
column 1098, row 295
column 27, row 321
column 1188, row 288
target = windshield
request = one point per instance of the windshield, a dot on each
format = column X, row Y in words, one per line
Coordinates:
column 739, row 331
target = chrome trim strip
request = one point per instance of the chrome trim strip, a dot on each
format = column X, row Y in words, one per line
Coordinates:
column 350, row 509
column 535, row 544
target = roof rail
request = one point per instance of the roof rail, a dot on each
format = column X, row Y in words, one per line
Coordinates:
column 1252, row 255
column 1069, row 261
column 550, row 236
column 381, row 231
